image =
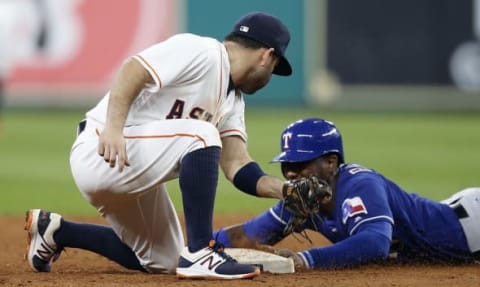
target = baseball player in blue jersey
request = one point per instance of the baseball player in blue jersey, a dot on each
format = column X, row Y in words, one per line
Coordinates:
column 175, row 110
column 367, row 217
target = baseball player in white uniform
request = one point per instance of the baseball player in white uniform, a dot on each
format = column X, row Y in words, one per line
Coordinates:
column 175, row 110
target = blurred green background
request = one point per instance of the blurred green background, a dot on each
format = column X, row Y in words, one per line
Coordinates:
column 433, row 154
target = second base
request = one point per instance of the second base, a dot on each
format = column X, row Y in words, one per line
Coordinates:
column 269, row 262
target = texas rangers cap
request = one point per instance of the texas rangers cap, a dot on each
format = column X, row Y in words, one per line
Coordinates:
column 270, row 31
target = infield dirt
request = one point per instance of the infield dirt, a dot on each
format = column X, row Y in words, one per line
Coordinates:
column 82, row 268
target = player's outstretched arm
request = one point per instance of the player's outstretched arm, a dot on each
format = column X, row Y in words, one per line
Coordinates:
column 245, row 173
column 260, row 232
column 371, row 243
column 234, row 236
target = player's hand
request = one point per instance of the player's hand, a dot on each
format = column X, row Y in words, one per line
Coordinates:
column 297, row 259
column 112, row 147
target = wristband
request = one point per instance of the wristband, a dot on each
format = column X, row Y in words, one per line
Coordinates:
column 247, row 177
column 305, row 258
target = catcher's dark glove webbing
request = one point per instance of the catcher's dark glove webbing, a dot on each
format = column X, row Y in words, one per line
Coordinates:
column 303, row 198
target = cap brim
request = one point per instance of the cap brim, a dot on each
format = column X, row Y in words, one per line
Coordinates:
column 283, row 68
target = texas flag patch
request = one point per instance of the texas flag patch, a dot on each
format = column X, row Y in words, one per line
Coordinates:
column 351, row 207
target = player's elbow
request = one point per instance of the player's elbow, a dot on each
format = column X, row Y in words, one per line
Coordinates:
column 379, row 247
column 383, row 250
column 377, row 237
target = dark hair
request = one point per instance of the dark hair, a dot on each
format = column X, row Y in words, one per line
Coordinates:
column 244, row 41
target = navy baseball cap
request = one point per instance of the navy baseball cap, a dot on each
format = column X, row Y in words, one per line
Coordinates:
column 271, row 32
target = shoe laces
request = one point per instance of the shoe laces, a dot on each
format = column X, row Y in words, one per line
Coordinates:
column 220, row 250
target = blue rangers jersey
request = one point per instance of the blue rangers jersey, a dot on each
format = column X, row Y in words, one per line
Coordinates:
column 372, row 217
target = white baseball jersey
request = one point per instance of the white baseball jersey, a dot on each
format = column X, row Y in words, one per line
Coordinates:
column 189, row 107
column 191, row 76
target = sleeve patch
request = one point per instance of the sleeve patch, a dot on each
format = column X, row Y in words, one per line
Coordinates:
column 351, row 207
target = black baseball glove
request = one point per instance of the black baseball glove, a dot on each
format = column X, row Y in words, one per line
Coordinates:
column 303, row 198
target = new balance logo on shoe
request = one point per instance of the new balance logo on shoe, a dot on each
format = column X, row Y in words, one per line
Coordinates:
column 211, row 265
column 45, row 252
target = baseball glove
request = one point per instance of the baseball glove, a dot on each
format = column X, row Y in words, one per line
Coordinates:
column 303, row 198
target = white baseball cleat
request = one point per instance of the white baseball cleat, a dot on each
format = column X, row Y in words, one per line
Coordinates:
column 41, row 248
column 213, row 263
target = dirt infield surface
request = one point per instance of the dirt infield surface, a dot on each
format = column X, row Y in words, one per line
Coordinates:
column 81, row 268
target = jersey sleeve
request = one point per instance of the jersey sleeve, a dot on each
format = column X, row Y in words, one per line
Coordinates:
column 175, row 60
column 267, row 228
column 234, row 123
column 365, row 202
column 370, row 244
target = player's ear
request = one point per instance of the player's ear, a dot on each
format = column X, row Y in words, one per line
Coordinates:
column 332, row 160
column 267, row 55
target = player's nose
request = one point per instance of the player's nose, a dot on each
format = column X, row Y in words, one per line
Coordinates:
column 291, row 175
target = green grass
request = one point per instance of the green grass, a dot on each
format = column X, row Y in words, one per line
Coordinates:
column 431, row 154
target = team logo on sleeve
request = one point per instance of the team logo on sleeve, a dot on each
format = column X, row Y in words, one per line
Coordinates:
column 351, row 207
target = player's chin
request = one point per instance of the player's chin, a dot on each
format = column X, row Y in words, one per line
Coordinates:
column 248, row 92
column 251, row 89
